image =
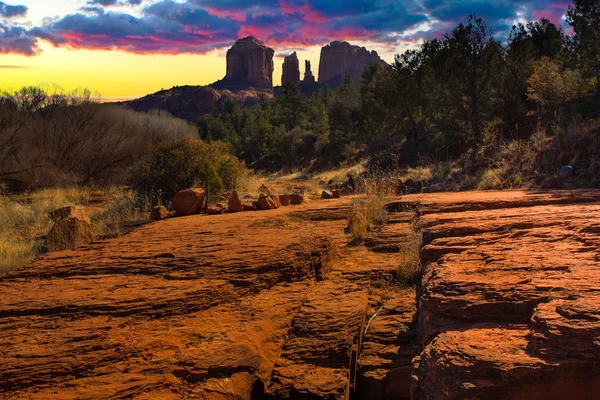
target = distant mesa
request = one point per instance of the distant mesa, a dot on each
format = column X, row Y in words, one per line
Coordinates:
column 250, row 75
column 340, row 59
column 249, row 64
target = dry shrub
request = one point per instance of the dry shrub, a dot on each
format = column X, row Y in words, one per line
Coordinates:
column 55, row 139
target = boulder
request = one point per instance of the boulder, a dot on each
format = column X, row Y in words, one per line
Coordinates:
column 159, row 213
column 272, row 195
column 296, row 199
column 235, row 204
column 284, row 199
column 340, row 59
column 291, row 69
column 189, row 201
column 72, row 228
column 326, row 195
column 268, row 202
column 337, row 193
column 69, row 212
column 214, row 210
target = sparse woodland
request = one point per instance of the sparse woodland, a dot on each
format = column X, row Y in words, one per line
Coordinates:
column 469, row 99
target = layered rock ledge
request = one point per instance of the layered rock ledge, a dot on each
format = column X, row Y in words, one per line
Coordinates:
column 509, row 306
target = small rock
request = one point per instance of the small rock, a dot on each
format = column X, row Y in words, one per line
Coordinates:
column 268, row 202
column 72, row 228
column 249, row 207
column 235, row 204
column 565, row 171
column 69, row 212
column 159, row 213
column 189, row 201
column 296, row 199
column 337, row 193
column 284, row 199
column 326, row 194
column 214, row 210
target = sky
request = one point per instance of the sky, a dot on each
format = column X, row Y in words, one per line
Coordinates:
column 129, row 48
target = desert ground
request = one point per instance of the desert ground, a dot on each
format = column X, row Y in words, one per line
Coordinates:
column 281, row 304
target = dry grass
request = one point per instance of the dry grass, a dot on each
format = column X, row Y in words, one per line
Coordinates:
column 410, row 256
column 418, row 174
column 340, row 175
column 24, row 219
column 369, row 212
column 250, row 182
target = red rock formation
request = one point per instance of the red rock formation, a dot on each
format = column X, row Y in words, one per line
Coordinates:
column 291, row 69
column 340, row 59
column 250, row 63
column 191, row 102
column 309, row 78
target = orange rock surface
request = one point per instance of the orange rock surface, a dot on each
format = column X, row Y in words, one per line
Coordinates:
column 278, row 305
column 509, row 306
column 211, row 307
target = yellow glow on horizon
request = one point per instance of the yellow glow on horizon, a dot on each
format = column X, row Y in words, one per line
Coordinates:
column 111, row 73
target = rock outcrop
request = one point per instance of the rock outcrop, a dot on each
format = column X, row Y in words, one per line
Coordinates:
column 340, row 59
column 291, row 69
column 249, row 64
column 309, row 78
column 509, row 301
column 280, row 305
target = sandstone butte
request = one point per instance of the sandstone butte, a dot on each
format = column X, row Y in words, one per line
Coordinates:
column 276, row 304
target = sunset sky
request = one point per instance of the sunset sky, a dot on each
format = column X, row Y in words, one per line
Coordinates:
column 129, row 48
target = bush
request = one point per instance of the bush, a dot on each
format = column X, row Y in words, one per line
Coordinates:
column 175, row 165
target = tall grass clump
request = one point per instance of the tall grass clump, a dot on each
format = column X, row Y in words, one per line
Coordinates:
column 409, row 268
column 369, row 212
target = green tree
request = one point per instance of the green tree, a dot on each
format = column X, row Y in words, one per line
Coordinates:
column 546, row 38
column 550, row 85
column 584, row 17
column 473, row 57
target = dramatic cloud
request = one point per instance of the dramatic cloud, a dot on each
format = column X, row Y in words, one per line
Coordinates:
column 14, row 39
column 200, row 26
column 12, row 11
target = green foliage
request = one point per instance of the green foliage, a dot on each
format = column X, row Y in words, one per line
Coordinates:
column 179, row 164
column 584, row 17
